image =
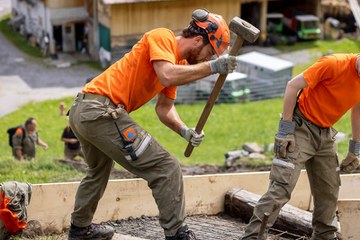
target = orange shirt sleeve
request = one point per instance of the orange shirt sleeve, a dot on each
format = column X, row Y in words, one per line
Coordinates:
column 322, row 70
column 163, row 47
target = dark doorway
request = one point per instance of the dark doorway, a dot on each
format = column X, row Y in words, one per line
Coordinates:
column 81, row 37
column 57, row 35
column 251, row 12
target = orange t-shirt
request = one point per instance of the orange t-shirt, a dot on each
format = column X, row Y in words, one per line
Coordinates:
column 333, row 88
column 132, row 81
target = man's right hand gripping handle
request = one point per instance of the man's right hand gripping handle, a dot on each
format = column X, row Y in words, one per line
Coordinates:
column 285, row 139
column 224, row 64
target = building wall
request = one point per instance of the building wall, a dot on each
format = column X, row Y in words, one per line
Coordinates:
column 104, row 15
column 133, row 19
column 35, row 18
column 64, row 3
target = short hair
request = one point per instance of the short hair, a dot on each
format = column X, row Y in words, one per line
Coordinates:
column 193, row 30
column 29, row 121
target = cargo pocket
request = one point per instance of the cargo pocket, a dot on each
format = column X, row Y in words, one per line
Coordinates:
column 134, row 147
column 93, row 111
column 282, row 170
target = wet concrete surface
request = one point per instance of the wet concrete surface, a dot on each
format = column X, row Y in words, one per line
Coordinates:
column 219, row 227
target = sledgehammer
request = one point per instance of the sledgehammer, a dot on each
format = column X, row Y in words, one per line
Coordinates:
column 244, row 31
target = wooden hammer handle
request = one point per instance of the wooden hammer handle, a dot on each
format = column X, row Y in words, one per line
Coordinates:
column 213, row 96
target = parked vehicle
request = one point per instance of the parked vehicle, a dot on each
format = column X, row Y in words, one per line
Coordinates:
column 305, row 26
column 275, row 31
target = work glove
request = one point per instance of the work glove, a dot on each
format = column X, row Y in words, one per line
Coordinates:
column 190, row 135
column 223, row 65
column 285, row 139
column 351, row 162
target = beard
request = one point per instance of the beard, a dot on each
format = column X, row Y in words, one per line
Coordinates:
column 193, row 55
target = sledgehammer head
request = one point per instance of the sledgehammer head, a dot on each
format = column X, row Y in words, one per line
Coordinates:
column 244, row 29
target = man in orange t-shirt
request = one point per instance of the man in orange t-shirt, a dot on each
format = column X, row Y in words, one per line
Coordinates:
column 314, row 101
column 100, row 119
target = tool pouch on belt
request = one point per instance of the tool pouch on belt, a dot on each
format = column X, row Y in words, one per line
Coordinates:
column 132, row 138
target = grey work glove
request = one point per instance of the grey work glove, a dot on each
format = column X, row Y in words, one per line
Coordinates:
column 223, row 65
column 285, row 139
column 190, row 135
column 351, row 162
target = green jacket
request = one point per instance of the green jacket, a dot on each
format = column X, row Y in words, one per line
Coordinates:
column 25, row 142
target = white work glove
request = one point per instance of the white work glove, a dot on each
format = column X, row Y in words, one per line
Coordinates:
column 223, row 65
column 285, row 139
column 190, row 135
column 351, row 162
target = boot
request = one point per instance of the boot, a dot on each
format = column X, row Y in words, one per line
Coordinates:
column 93, row 232
column 183, row 233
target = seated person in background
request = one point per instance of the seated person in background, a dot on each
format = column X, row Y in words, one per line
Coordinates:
column 25, row 139
column 72, row 145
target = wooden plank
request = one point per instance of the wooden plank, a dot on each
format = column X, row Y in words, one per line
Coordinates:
column 349, row 211
column 349, row 186
column 205, row 193
column 52, row 204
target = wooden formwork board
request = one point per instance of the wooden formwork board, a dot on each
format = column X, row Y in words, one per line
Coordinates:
column 349, row 211
column 52, row 204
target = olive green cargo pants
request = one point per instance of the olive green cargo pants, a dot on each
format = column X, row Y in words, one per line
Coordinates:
column 101, row 144
column 316, row 150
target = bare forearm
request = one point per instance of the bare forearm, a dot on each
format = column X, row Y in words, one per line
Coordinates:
column 166, row 111
column 176, row 75
column 289, row 103
column 355, row 123
column 42, row 144
column 290, row 97
column 170, row 118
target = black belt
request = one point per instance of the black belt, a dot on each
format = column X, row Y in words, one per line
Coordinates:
column 305, row 120
column 100, row 98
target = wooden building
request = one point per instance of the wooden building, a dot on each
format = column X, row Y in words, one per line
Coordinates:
column 60, row 24
column 122, row 22
column 107, row 29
